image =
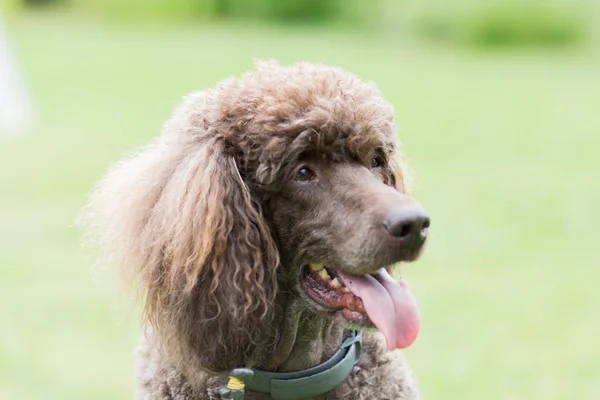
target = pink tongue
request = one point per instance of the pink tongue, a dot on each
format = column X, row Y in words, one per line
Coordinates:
column 389, row 304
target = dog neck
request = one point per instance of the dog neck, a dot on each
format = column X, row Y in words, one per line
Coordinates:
column 306, row 339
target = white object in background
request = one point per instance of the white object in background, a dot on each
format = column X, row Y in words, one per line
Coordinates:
column 16, row 112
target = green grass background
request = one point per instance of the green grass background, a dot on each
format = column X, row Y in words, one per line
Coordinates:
column 505, row 146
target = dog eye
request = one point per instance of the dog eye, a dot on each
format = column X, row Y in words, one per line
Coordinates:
column 304, row 175
column 375, row 162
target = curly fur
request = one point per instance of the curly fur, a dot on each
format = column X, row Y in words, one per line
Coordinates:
column 198, row 220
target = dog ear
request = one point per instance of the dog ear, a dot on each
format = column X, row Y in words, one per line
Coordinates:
column 199, row 246
column 216, row 282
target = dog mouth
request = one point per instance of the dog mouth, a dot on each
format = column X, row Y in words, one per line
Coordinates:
column 370, row 300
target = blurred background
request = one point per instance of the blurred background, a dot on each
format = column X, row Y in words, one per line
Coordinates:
column 498, row 104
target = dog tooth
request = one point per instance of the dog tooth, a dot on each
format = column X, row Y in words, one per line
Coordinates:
column 335, row 283
column 324, row 274
column 345, row 290
column 316, row 267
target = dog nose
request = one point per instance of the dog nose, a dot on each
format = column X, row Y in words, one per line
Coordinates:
column 408, row 223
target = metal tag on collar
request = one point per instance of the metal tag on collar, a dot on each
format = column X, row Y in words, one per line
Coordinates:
column 236, row 385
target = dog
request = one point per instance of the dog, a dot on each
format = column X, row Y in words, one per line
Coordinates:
column 262, row 229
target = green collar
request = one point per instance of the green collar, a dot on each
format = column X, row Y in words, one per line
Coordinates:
column 299, row 384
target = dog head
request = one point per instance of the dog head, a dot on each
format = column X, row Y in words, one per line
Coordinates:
column 287, row 179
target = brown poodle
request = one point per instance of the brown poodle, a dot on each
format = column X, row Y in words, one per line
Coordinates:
column 261, row 228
